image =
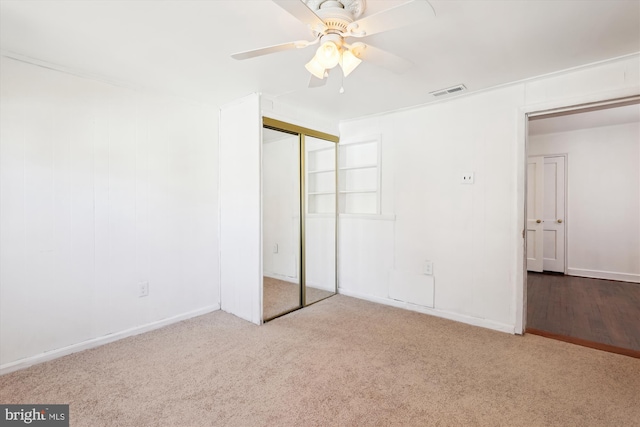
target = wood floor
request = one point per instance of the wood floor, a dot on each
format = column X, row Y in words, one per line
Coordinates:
column 598, row 313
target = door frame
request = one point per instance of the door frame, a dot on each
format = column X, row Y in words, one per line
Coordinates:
column 552, row 108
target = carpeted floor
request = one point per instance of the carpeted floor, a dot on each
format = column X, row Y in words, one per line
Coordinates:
column 340, row 362
column 280, row 296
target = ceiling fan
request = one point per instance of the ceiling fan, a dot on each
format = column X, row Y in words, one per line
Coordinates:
column 332, row 22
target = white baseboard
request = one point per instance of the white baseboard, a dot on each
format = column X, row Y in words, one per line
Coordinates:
column 469, row 320
column 606, row 275
column 319, row 286
column 96, row 342
column 280, row 277
column 295, row 281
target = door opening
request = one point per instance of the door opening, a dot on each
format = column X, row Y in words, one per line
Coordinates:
column 582, row 207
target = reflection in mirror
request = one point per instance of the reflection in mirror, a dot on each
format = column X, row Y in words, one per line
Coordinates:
column 320, row 221
column 280, row 223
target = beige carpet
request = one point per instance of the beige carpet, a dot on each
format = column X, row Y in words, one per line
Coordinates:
column 340, row 362
column 280, row 296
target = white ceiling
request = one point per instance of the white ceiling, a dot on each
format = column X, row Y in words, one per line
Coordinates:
column 184, row 47
column 585, row 120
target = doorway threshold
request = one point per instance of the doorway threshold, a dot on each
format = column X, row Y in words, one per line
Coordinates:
column 585, row 343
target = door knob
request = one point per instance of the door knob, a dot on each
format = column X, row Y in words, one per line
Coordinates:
column 559, row 221
column 538, row 221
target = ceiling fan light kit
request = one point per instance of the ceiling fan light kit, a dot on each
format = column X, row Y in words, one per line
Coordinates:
column 333, row 51
column 315, row 68
column 348, row 62
column 328, row 54
column 333, row 21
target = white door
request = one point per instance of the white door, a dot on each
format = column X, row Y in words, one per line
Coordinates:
column 535, row 200
column 554, row 214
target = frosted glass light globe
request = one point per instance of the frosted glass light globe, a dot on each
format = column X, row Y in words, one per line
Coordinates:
column 328, row 55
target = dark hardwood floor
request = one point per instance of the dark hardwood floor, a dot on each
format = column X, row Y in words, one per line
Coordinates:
column 597, row 313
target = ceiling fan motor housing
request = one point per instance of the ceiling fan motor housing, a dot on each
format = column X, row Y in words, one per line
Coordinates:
column 336, row 19
column 355, row 7
column 336, row 15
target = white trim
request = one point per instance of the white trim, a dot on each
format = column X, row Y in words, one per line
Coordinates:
column 96, row 342
column 605, row 275
column 320, row 286
column 83, row 74
column 612, row 103
column 499, row 86
column 469, row 320
column 218, row 222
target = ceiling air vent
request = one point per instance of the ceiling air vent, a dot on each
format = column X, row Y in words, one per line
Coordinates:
column 449, row 90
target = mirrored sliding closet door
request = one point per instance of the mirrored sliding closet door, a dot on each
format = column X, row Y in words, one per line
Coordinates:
column 320, row 221
column 299, row 217
column 280, row 223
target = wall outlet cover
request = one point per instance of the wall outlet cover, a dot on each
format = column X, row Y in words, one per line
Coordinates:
column 427, row 268
column 467, row 178
column 143, row 289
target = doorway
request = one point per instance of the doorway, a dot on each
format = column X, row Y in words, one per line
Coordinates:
column 582, row 239
column 299, row 217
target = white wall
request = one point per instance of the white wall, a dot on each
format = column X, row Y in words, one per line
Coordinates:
column 274, row 108
column 463, row 229
column 471, row 233
column 101, row 188
column 240, row 208
column 603, row 217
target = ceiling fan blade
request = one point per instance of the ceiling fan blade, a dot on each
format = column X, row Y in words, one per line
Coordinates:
column 270, row 49
column 316, row 82
column 302, row 12
column 381, row 58
column 406, row 14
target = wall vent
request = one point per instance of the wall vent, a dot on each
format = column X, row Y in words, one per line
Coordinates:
column 449, row 90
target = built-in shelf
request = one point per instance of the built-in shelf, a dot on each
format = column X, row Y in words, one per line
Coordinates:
column 347, row 168
column 321, row 179
column 359, row 177
column 320, row 193
column 321, row 171
column 357, row 191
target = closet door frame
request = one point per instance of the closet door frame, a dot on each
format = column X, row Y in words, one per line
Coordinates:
column 303, row 132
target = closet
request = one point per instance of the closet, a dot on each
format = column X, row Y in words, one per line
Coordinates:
column 278, row 213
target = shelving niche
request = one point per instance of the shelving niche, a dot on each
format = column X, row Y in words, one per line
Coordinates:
column 321, row 179
column 359, row 177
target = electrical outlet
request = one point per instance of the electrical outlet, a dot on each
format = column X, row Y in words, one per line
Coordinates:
column 467, row 178
column 143, row 289
column 427, row 268
column 275, row 248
